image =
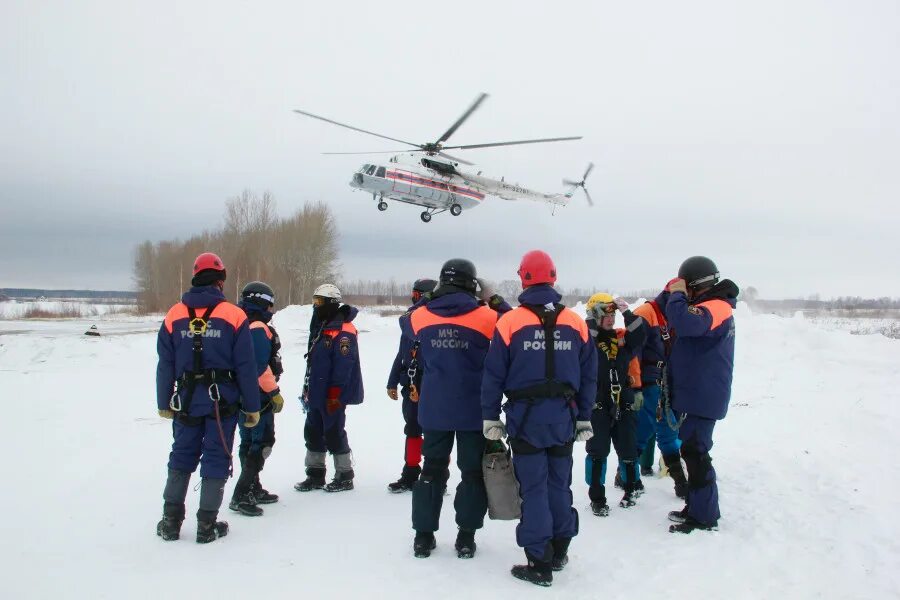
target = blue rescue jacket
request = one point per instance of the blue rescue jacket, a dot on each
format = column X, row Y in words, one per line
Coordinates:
column 652, row 355
column 453, row 332
column 263, row 340
column 517, row 361
column 334, row 370
column 227, row 346
column 399, row 374
column 702, row 360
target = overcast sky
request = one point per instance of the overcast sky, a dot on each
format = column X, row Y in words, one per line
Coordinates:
column 763, row 134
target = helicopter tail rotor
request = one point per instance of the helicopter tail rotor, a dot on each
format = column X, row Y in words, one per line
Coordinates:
column 581, row 184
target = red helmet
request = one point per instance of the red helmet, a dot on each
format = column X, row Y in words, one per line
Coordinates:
column 208, row 260
column 537, row 267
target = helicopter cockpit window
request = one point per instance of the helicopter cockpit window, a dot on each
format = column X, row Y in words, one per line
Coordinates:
column 363, row 168
column 379, row 172
column 370, row 170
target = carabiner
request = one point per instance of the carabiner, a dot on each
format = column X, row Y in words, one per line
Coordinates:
column 176, row 407
column 214, row 392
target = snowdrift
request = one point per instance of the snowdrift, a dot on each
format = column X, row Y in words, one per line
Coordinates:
column 806, row 461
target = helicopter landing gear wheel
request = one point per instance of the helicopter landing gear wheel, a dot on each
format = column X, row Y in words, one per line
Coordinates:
column 425, row 216
column 456, row 210
column 382, row 206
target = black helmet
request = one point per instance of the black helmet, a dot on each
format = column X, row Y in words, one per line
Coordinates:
column 259, row 293
column 459, row 272
column 699, row 271
column 424, row 285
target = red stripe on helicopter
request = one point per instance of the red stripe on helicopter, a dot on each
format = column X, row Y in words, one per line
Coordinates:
column 435, row 185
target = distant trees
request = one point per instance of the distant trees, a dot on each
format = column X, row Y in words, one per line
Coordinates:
column 293, row 255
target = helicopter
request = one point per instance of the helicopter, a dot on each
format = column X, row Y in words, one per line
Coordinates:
column 429, row 177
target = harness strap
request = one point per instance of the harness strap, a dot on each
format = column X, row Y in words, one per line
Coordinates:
column 664, row 332
column 197, row 326
column 308, row 357
column 550, row 387
column 413, row 370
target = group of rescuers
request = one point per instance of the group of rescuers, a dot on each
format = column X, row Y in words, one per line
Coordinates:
column 667, row 374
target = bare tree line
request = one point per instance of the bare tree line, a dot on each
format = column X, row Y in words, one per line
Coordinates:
column 292, row 254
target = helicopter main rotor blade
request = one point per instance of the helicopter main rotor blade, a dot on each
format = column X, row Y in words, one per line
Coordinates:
column 453, row 158
column 308, row 114
column 493, row 144
column 587, row 171
column 481, row 98
column 376, row 152
column 570, row 182
column 588, row 195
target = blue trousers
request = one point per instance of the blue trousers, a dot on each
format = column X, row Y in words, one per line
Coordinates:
column 545, row 486
column 666, row 437
column 324, row 432
column 255, row 440
column 703, row 493
column 410, row 416
column 201, row 445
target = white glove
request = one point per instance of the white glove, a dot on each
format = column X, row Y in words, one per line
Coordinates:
column 638, row 402
column 621, row 304
column 583, row 431
column 485, row 291
column 494, row 430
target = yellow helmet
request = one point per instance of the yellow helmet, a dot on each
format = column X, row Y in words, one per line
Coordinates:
column 600, row 304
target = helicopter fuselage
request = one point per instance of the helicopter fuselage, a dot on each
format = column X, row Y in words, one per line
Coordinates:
column 437, row 185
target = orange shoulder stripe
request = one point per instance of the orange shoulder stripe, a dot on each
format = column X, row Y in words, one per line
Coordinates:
column 720, row 311
column 518, row 318
column 646, row 312
column 482, row 320
column 261, row 325
column 570, row 318
column 514, row 321
column 349, row 328
column 179, row 311
column 230, row 313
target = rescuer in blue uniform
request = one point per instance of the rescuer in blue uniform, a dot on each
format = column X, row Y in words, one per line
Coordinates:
column 700, row 308
column 399, row 377
column 542, row 359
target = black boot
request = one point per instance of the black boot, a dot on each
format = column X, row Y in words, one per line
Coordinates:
column 315, row 480
column 600, row 509
column 646, row 471
column 208, row 529
column 465, row 543
column 679, row 516
column 690, row 524
column 169, row 528
column 423, row 544
column 538, row 572
column 245, row 504
column 342, row 482
column 676, row 472
column 560, row 553
column 261, row 494
column 599, row 506
column 407, row 479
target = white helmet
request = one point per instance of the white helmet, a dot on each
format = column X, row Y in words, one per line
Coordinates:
column 328, row 290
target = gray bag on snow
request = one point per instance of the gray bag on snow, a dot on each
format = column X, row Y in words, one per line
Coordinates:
column 504, row 503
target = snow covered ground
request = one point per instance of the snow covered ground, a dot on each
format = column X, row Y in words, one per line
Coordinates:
column 807, row 463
